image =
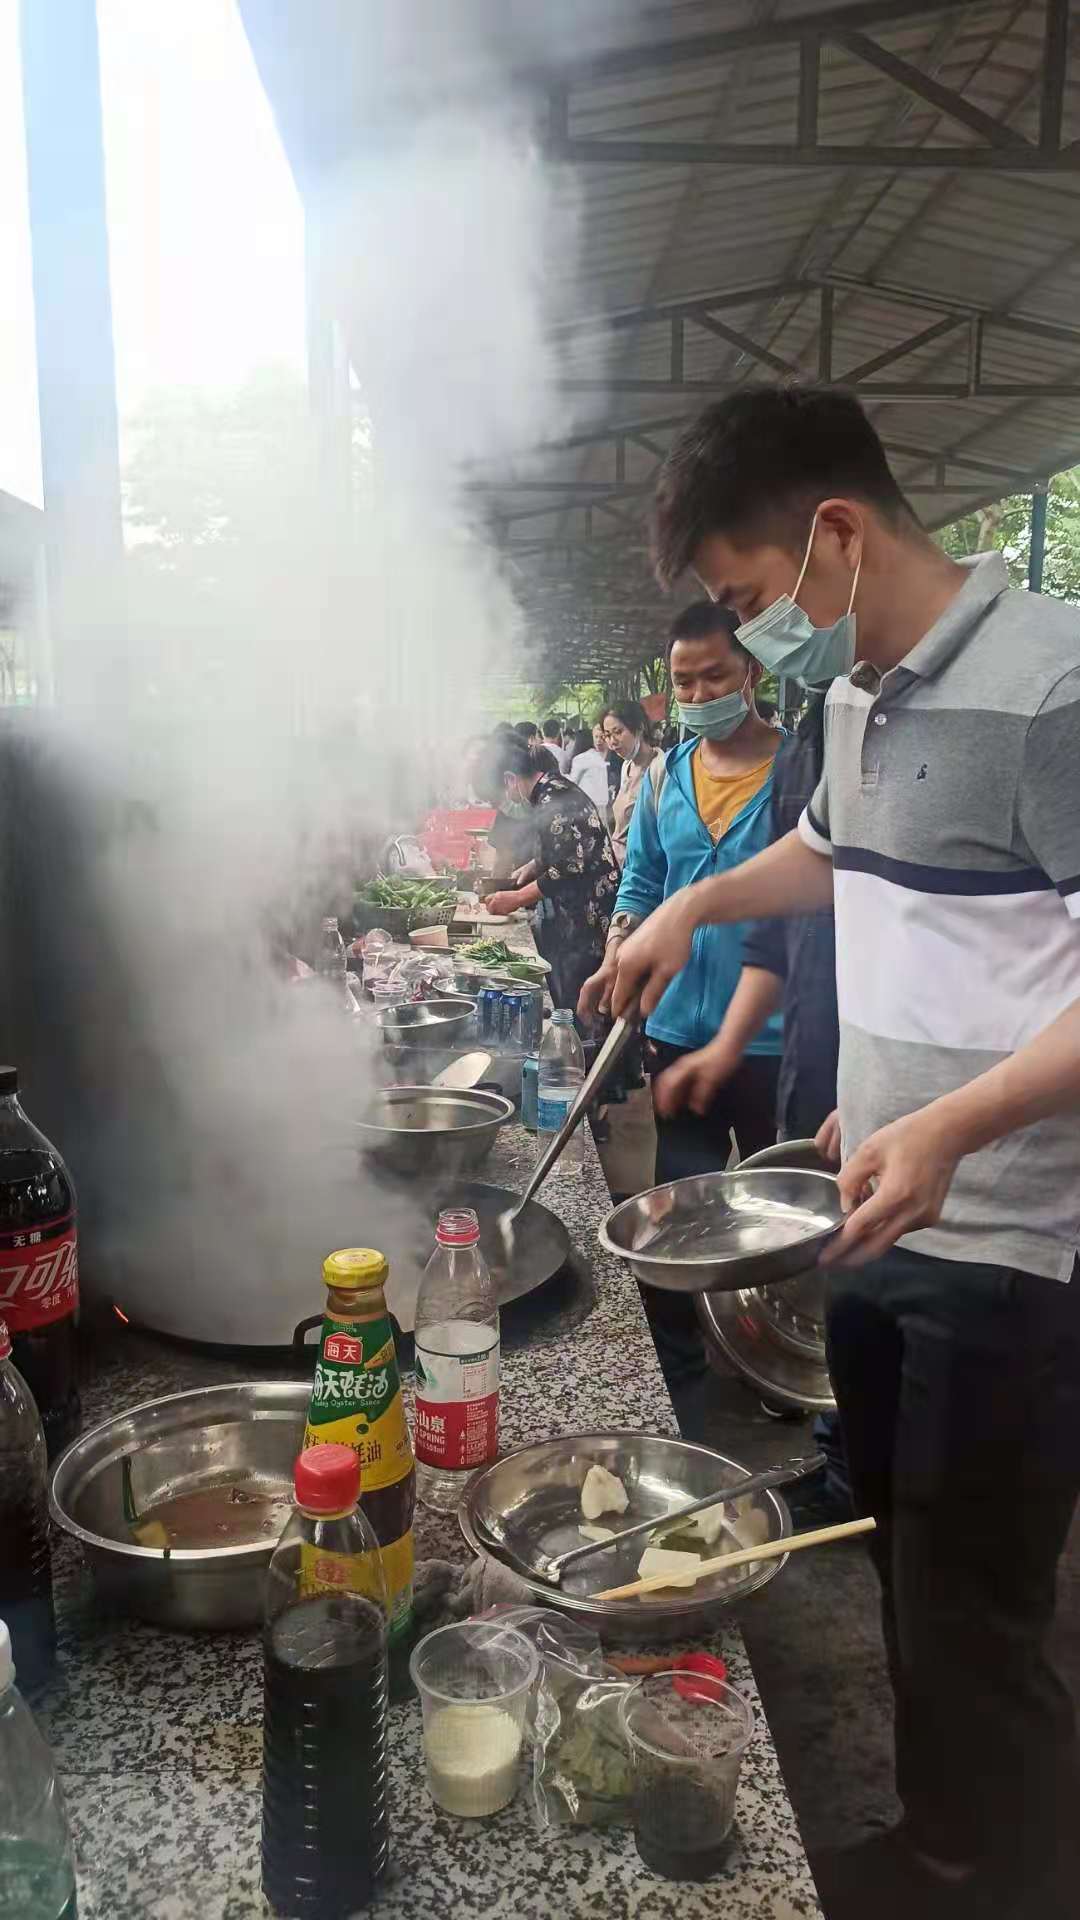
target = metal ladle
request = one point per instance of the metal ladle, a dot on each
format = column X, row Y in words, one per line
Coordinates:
column 607, row 1058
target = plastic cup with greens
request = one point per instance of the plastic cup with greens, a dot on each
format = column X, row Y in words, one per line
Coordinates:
column 687, row 1732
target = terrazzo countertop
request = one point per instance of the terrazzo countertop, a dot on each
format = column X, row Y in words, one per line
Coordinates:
column 157, row 1734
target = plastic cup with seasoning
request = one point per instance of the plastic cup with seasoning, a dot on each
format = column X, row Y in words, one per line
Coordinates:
column 474, row 1681
column 687, row 1732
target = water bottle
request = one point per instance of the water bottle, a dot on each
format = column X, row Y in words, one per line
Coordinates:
column 374, row 946
column 331, row 962
column 37, row 1868
column 560, row 1076
column 457, row 1364
column 25, row 1568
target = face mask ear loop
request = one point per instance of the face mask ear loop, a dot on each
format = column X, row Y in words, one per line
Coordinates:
column 855, row 582
column 806, row 557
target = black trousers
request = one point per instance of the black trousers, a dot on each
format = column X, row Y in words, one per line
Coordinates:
column 959, row 1391
column 701, row 1143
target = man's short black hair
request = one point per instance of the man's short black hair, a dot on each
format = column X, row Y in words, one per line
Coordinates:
column 699, row 621
column 528, row 729
column 757, row 463
column 552, row 730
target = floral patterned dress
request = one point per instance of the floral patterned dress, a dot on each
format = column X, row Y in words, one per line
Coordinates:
column 578, row 878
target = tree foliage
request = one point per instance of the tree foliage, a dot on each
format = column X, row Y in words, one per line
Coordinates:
column 1005, row 525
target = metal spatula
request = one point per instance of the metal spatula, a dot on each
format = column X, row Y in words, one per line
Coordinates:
column 610, row 1053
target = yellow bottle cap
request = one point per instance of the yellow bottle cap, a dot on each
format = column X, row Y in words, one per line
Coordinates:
column 355, row 1268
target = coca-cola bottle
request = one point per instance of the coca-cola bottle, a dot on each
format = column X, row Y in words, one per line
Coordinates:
column 39, row 1266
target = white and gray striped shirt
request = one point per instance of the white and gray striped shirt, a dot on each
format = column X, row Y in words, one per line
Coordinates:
column 950, row 805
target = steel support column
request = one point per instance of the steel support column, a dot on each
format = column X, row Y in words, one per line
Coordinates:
column 1039, row 496
column 80, row 450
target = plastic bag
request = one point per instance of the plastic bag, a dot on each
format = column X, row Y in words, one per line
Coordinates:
column 581, row 1762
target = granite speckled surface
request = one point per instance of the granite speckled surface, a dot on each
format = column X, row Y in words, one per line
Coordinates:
column 157, row 1734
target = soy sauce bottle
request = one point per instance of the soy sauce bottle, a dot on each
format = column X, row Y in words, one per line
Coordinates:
column 325, row 1830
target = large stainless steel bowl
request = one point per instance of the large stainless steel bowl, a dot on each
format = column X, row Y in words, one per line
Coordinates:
column 536, row 1494
column 440, row 1132
column 775, row 1336
column 427, row 1023
column 245, row 1436
column 725, row 1231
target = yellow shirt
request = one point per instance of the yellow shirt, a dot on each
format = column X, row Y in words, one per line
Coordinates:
column 720, row 799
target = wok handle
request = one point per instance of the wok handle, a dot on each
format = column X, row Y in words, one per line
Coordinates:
column 607, row 1058
column 300, row 1332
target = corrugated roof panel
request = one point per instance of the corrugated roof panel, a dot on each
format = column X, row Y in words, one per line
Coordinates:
column 654, row 232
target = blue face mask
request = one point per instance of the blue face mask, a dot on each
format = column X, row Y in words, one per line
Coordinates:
column 715, row 719
column 789, row 645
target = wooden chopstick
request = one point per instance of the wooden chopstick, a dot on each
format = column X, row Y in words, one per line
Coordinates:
column 772, row 1550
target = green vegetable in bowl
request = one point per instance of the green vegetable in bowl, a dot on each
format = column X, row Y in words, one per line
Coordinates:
column 488, row 953
column 406, row 895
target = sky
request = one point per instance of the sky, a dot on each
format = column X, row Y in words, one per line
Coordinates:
column 206, row 240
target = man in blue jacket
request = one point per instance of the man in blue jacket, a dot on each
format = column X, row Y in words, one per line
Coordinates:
column 704, row 811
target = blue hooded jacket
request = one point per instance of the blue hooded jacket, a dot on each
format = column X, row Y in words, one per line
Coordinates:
column 668, row 848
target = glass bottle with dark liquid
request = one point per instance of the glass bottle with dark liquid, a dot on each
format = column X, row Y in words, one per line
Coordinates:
column 325, row 1832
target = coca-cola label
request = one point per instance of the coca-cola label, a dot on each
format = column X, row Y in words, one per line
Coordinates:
column 39, row 1274
column 457, row 1407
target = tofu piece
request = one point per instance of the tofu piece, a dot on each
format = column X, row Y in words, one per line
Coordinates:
column 682, row 1568
column 711, row 1524
column 603, row 1492
column 596, row 1533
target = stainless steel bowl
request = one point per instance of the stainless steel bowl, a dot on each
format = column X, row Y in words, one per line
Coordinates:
column 247, row 1435
column 536, row 1494
column 435, row 1131
column 775, row 1336
column 427, row 1023
column 725, row 1231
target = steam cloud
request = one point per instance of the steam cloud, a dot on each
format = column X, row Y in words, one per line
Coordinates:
column 297, row 714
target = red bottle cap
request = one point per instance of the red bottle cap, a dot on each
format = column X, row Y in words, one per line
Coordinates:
column 459, row 1228
column 5, row 1341
column 709, row 1665
column 327, row 1479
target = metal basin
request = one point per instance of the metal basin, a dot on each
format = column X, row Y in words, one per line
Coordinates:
column 775, row 1336
column 242, row 1437
column 427, row 1023
column 536, row 1493
column 726, row 1231
column 435, row 1131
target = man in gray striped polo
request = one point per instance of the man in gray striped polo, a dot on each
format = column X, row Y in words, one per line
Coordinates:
column 946, row 833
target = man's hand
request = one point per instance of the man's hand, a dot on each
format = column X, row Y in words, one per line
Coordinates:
column 827, row 1138
column 595, row 995
column 649, row 960
column 896, row 1182
column 522, row 875
column 695, row 1080
column 502, row 903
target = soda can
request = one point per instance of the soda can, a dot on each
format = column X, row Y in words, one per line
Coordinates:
column 531, row 1025
column 507, row 1012
column 487, row 1002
